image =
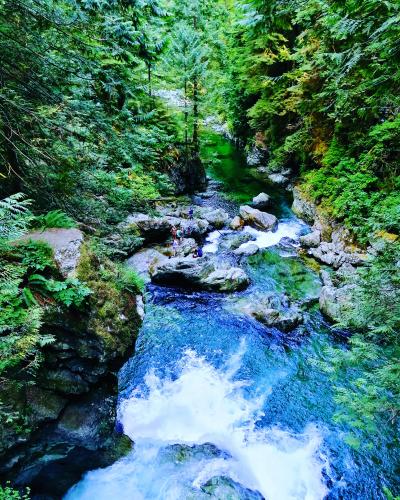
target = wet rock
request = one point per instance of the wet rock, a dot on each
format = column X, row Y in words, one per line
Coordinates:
column 45, row 405
column 236, row 223
column 206, row 195
column 258, row 219
column 234, row 240
column 76, row 377
column 302, row 207
column 261, row 201
column 276, row 311
column 64, row 382
column 227, row 280
column 248, row 249
column 225, row 487
column 285, row 321
column 66, row 244
column 158, row 229
column 145, row 260
column 199, row 273
column 311, row 240
column 335, row 255
column 217, row 217
column 256, row 156
column 152, row 229
column 278, row 178
column 336, row 297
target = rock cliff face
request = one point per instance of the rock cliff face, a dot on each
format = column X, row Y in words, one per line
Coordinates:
column 69, row 406
column 332, row 245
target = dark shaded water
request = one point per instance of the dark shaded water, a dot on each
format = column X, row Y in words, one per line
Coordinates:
column 204, row 372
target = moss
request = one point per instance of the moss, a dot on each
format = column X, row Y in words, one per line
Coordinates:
column 113, row 315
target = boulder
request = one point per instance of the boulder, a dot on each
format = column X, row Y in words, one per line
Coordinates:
column 194, row 228
column 278, row 179
column 199, row 273
column 236, row 223
column 227, row 280
column 261, row 201
column 258, row 219
column 247, row 249
column 302, row 207
column 66, row 244
column 144, row 260
column 274, row 310
column 335, row 255
column 217, row 217
column 285, row 321
column 152, row 229
column 225, row 487
column 335, row 297
column 311, row 240
column 232, row 241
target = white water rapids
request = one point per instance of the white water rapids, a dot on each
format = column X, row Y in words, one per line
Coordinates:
column 205, row 405
column 263, row 239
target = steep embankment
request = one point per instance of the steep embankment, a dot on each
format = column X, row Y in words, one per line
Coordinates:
column 64, row 414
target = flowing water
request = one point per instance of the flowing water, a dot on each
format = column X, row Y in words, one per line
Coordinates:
column 222, row 407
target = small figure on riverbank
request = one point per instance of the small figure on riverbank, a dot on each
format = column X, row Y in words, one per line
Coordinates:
column 191, row 213
column 174, row 248
column 179, row 235
column 173, row 232
column 198, row 252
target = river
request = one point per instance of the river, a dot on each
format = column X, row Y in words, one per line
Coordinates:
column 218, row 405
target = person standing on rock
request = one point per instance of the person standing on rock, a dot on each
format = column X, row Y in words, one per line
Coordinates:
column 174, row 247
column 173, row 232
column 179, row 235
column 191, row 213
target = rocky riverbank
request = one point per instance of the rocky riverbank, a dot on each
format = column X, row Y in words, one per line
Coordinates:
column 68, row 408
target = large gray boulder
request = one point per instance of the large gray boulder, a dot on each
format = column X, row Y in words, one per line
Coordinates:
column 66, row 245
column 261, row 201
column 227, row 280
column 199, row 273
column 232, row 241
column 336, row 255
column 216, row 217
column 278, row 178
column 335, row 298
column 311, row 240
column 282, row 320
column 258, row 219
column 145, row 260
column 302, row 207
column 274, row 310
column 248, row 249
column 152, row 229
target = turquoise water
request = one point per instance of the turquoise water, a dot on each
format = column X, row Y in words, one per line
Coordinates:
column 220, row 406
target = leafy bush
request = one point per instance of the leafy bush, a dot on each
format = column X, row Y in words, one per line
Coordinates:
column 53, row 219
column 9, row 493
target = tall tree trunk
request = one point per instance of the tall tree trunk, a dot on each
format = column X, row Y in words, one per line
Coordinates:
column 196, row 147
column 186, row 119
column 149, row 77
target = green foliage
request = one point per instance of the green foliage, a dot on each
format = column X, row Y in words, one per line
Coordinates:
column 319, row 81
column 76, row 108
column 128, row 280
column 9, row 493
column 370, row 365
column 15, row 217
column 54, row 218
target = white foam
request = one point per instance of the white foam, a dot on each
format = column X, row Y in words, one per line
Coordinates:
column 212, row 241
column 205, row 404
column 264, row 239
